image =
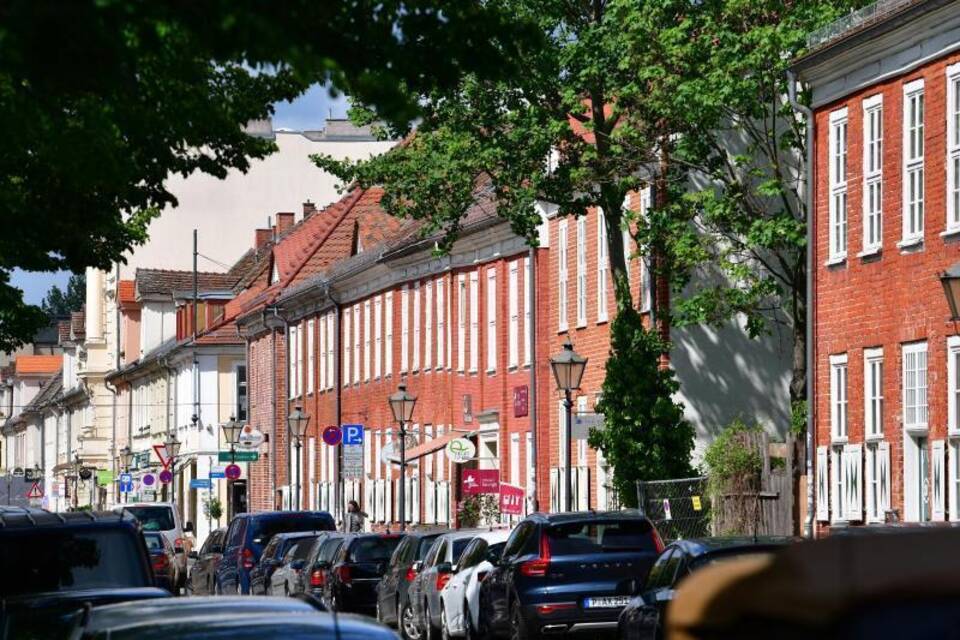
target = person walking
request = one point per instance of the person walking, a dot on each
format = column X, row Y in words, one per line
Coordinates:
column 355, row 517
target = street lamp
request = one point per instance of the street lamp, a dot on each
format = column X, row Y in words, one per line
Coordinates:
column 126, row 456
column 568, row 367
column 950, row 279
column 402, row 403
column 77, row 466
column 297, row 423
column 173, row 448
column 231, row 433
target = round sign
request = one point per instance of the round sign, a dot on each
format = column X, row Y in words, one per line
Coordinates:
column 250, row 438
column 332, row 436
column 166, row 477
column 86, row 473
column 232, row 471
column 148, row 479
column 461, row 450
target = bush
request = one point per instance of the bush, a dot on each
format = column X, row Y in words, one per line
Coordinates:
column 478, row 510
column 733, row 465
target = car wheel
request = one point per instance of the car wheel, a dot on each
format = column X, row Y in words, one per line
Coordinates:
column 408, row 624
column 429, row 632
column 469, row 633
column 444, row 628
column 518, row 626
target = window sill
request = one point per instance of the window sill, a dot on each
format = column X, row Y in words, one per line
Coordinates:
column 916, row 430
column 603, row 320
column 835, row 260
column 582, row 325
column 950, row 232
column 563, row 329
column 870, row 251
column 836, row 441
column 491, row 372
column 910, row 243
column 873, row 437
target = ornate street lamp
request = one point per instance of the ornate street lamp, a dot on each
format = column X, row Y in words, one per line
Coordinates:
column 297, row 422
column 126, row 457
column 402, row 404
column 231, row 433
column 950, row 279
column 568, row 367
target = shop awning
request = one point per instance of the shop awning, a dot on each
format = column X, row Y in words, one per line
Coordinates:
column 432, row 446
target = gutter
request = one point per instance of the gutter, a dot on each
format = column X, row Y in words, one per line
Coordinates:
column 803, row 110
column 338, row 393
column 531, row 330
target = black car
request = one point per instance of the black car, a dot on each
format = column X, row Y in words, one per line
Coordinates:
column 163, row 559
column 356, row 570
column 271, row 559
column 55, row 563
column 249, row 533
column 393, row 588
column 319, row 564
column 205, row 561
column 643, row 618
column 567, row 572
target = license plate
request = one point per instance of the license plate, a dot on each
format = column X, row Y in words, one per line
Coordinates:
column 609, row 602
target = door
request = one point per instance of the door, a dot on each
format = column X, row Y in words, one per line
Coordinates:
column 495, row 590
column 923, row 468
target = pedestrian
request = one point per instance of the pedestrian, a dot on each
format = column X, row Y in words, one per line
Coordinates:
column 355, row 517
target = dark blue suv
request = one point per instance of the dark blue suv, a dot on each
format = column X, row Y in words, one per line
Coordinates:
column 567, row 572
column 249, row 533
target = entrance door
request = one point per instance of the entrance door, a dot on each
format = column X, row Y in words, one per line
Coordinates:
column 238, row 498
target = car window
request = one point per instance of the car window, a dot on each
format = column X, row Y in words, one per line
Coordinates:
column 153, row 518
column 330, row 549
column 400, row 553
column 270, row 551
column 458, row 546
column 154, row 542
column 438, row 547
column 264, row 529
column 302, row 548
column 237, row 531
column 494, row 552
column 578, row 538
column 664, row 570
column 473, row 554
column 722, row 555
column 373, row 549
column 426, row 543
column 518, row 539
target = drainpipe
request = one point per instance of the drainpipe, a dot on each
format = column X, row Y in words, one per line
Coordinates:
column 286, row 398
column 532, row 333
column 338, row 407
column 808, row 531
column 112, row 388
column 273, row 405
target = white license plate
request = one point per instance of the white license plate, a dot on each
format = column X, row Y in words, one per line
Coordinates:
column 606, row 603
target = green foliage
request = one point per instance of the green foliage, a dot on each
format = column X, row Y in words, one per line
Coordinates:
column 213, row 509
column 60, row 303
column 645, row 436
column 798, row 417
column 729, row 457
column 478, row 510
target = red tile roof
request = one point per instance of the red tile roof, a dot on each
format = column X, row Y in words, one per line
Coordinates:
column 127, row 291
column 223, row 334
column 166, row 281
column 28, row 365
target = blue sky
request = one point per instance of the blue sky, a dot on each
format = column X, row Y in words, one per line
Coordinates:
column 309, row 111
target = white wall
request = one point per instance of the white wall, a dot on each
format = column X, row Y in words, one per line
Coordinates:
column 158, row 323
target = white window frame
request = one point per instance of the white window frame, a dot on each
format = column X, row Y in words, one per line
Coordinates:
column 378, row 337
column 873, row 393
column 953, row 149
column 404, row 328
column 915, row 400
column 527, row 311
column 562, row 275
column 388, row 335
column 837, row 173
column 474, row 320
column 581, row 271
column 331, row 350
column 953, row 479
column 492, row 320
column 872, row 174
column 839, row 398
column 913, row 164
column 367, row 341
column 646, row 281
column 877, row 480
column 415, row 360
column 602, row 266
column 356, row 343
column 322, row 368
column 311, row 358
column 953, row 385
column 461, row 322
column 513, row 303
column 428, row 326
column 346, row 346
column 441, row 322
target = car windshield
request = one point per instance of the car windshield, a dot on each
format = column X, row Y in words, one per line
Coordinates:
column 458, row 547
column 153, row 518
column 266, row 529
column 65, row 559
column 576, row 538
column 425, row 543
column 329, row 549
column 724, row 556
column 154, row 542
column 373, row 549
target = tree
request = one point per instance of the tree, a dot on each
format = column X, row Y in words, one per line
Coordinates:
column 101, row 100
column 57, row 303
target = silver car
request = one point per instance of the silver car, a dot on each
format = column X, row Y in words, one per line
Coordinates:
column 163, row 517
column 437, row 569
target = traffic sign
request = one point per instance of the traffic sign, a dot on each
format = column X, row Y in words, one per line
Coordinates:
column 32, row 475
column 166, row 477
column 352, row 433
column 353, row 461
column 148, row 495
column 250, row 438
column 583, row 423
column 200, row 483
column 232, row 471
column 36, row 491
column 18, row 472
column 218, row 471
column 332, row 435
column 161, row 451
column 126, row 483
column 148, row 480
column 238, row 456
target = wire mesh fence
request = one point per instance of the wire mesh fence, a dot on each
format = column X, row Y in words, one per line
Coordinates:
column 678, row 508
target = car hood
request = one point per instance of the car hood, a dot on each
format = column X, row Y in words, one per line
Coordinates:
column 95, row 597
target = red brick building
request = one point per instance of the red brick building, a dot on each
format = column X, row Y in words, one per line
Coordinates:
column 886, row 224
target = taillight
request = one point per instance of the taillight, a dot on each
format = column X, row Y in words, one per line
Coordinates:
column 343, row 573
column 481, row 575
column 178, row 543
column 547, row 609
column 160, row 563
column 316, row 578
column 657, row 540
column 442, row 580
column 538, row 568
column 246, row 557
column 411, row 574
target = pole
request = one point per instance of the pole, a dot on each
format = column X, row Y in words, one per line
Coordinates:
column 297, row 445
column 568, row 405
column 196, row 315
column 403, row 476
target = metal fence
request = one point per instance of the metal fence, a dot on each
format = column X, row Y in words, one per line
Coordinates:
column 13, row 491
column 678, row 508
column 857, row 19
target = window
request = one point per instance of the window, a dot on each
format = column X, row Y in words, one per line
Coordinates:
column 838, row 186
column 838, row 397
column 601, row 266
column 293, row 360
column 491, row 319
column 378, row 337
column 581, row 271
column 311, row 358
column 474, row 320
column 953, row 384
column 877, row 474
column 915, row 386
column 562, row 274
column 346, row 347
column 356, row 344
column 404, row 328
column 873, row 392
column 331, row 346
column 953, row 147
column 461, row 322
column 441, row 322
column 367, row 340
column 953, row 473
column 323, row 353
column 872, row 173
column 300, row 368
column 428, row 327
column 241, row 413
column 527, row 311
column 912, row 163
column 388, row 338
column 513, row 300
column 415, row 363
column 846, row 462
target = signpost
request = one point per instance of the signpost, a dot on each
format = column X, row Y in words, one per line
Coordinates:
column 477, row 481
column 126, row 483
column 218, row 471
column 583, row 422
column 166, row 477
column 232, row 471
column 353, row 461
column 148, row 480
column 148, row 495
column 238, row 456
column 36, row 492
column 511, row 499
column 332, row 436
column 200, row 483
column 352, row 434
column 161, row 451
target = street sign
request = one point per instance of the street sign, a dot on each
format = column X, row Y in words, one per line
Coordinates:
column 353, row 461
column 200, row 483
column 148, row 495
column 126, row 483
column 32, row 475
column 332, row 436
column 148, row 480
column 250, row 438
column 666, row 510
column 232, row 471
column 521, row 401
column 583, row 422
column 352, row 434
column 166, row 477
column 218, row 471
column 238, row 456
column 104, row 477
column 161, row 451
column 511, row 499
column 461, row 450
column 18, row 472
column 476, row 481
column 36, row 492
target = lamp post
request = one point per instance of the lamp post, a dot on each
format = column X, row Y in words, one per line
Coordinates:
column 173, row 449
column 127, row 456
column 950, row 279
column 568, row 367
column 297, row 423
column 231, row 433
column 77, row 465
column 402, row 403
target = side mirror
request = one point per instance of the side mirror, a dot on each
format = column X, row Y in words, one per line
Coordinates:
column 444, row 567
column 298, row 565
column 188, row 528
column 193, row 555
column 216, row 548
column 417, row 566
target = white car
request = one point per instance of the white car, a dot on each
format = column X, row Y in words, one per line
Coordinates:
column 165, row 518
column 460, row 599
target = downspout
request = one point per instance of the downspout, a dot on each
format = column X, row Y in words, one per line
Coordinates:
column 532, row 337
column 808, row 531
column 112, row 388
column 286, row 398
column 273, row 405
column 338, row 391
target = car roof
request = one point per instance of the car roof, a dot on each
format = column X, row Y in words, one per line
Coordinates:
column 701, row 546
column 494, row 536
column 169, row 505
column 20, row 519
column 292, row 535
column 587, row 516
column 280, row 515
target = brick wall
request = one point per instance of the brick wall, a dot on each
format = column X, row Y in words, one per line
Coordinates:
column 263, row 390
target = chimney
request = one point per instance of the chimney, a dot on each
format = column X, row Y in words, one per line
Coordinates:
column 308, row 209
column 262, row 237
column 284, row 222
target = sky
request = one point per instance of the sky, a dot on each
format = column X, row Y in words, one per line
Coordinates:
column 308, row 112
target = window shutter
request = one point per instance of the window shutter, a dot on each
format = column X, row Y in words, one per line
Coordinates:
column 443, row 499
column 823, row 504
column 583, row 488
column 952, row 482
column 869, row 480
column 388, row 509
column 368, row 500
column 854, row 481
column 415, row 502
column 883, row 451
column 554, row 490
column 939, row 488
column 430, row 499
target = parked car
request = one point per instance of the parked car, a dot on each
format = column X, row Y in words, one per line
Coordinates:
column 163, row 517
column 437, row 569
column 644, row 617
column 271, row 559
column 405, row 563
column 163, row 559
column 320, row 563
column 356, row 569
column 249, row 533
column 460, row 599
column 567, row 572
column 285, row 579
column 54, row 564
column 205, row 561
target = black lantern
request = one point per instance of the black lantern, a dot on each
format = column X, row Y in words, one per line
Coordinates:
column 568, row 367
column 127, row 456
column 172, row 445
column 297, row 422
column 402, row 403
column 231, row 431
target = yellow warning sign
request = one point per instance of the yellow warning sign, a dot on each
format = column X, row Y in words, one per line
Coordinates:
column 696, row 503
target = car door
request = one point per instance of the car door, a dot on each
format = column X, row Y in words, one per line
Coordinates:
column 228, row 573
column 497, row 589
column 454, row 594
column 479, row 573
column 387, row 590
column 213, row 558
column 418, row 590
column 648, row 617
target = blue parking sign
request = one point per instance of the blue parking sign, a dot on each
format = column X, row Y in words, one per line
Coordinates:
column 126, row 483
column 352, row 433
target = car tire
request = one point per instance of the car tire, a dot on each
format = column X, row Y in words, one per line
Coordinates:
column 444, row 628
column 518, row 626
column 409, row 629
column 429, row 633
column 469, row 633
